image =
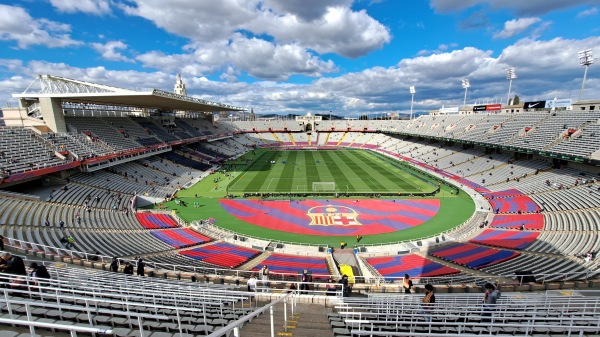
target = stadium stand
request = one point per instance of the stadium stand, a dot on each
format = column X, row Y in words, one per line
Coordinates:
column 181, row 237
column 558, row 204
column 154, row 221
column 394, row 267
column 286, row 265
column 221, row 254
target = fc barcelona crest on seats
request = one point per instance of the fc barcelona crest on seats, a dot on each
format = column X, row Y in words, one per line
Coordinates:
column 333, row 215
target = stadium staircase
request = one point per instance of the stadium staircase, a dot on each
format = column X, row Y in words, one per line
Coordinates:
column 277, row 138
column 327, row 138
column 262, row 139
column 309, row 320
column 347, row 256
column 367, row 142
column 292, row 138
column 255, row 261
column 356, row 141
column 342, row 139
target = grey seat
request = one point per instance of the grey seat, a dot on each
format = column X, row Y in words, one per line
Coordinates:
column 121, row 332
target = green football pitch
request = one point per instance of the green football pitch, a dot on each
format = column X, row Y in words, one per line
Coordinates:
column 355, row 171
column 340, row 171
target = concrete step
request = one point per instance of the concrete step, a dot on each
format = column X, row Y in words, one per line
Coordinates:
column 309, row 320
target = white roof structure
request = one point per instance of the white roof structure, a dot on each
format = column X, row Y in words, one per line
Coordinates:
column 69, row 90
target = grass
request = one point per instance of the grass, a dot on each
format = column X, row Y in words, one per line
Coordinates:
column 358, row 168
column 274, row 171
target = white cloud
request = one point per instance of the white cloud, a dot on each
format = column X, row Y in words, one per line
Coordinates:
column 588, row 12
column 520, row 7
column 305, row 9
column 110, row 51
column 96, row 7
column 266, row 60
column 515, row 27
column 326, row 26
column 546, row 69
column 17, row 25
column 440, row 49
column 258, row 58
column 340, row 30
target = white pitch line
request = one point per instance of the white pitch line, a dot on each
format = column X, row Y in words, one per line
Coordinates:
column 271, row 181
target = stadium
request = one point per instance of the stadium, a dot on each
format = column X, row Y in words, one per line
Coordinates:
column 92, row 172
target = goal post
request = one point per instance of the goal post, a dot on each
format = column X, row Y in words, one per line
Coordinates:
column 323, row 186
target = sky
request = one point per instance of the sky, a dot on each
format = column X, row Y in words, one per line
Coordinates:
column 350, row 57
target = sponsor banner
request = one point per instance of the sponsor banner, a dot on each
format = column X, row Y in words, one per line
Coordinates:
column 559, row 103
column 493, row 107
column 534, row 105
column 451, row 110
column 479, row 107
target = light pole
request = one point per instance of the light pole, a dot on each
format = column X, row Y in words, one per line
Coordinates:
column 412, row 100
column 585, row 59
column 465, row 85
column 510, row 75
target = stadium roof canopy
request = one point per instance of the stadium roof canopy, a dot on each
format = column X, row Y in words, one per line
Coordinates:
column 75, row 91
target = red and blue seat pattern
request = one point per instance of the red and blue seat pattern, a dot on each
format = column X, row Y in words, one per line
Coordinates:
column 473, row 256
column 501, row 194
column 506, row 238
column 222, row 254
column 414, row 265
column 180, row 237
column 514, row 221
column 520, row 203
column 155, row 221
column 293, row 264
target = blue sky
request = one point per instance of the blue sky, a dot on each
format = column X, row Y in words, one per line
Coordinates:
column 298, row 56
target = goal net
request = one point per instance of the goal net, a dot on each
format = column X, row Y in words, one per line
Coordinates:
column 323, row 186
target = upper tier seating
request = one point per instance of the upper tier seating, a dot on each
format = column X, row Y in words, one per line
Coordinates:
column 21, row 150
column 106, row 132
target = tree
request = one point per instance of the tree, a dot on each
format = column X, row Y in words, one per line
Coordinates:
column 516, row 100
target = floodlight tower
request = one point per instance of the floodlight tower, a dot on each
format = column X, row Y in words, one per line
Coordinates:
column 585, row 59
column 412, row 100
column 466, row 85
column 510, row 75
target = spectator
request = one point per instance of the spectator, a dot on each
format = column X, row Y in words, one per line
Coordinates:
column 428, row 301
column 128, row 270
column 38, row 271
column 1, row 242
column 345, row 286
column 252, row 283
column 14, row 264
column 264, row 274
column 70, row 242
column 489, row 301
column 140, row 267
column 331, row 287
column 407, row 284
column 305, row 279
column 114, row 265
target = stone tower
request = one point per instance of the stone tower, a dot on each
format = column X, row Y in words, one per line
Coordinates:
column 180, row 87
